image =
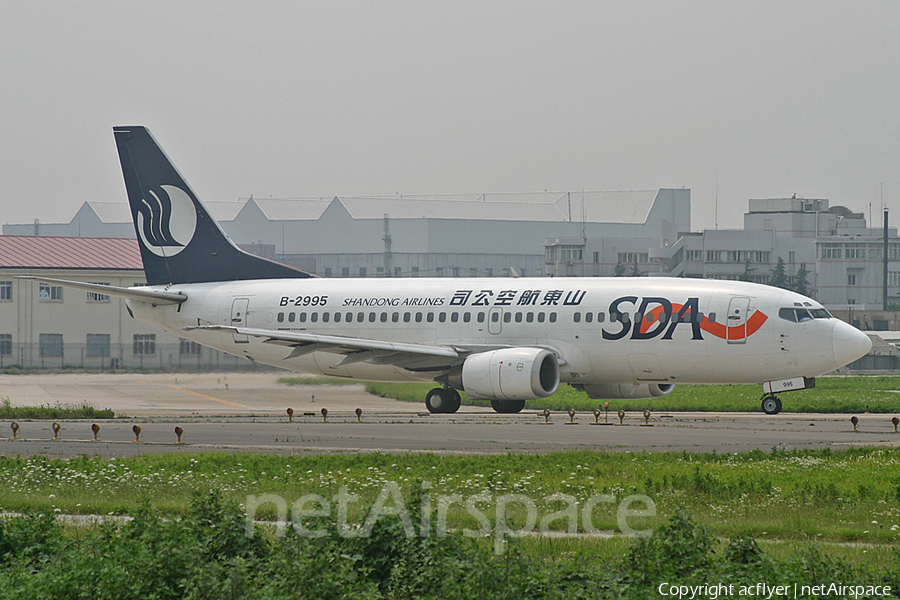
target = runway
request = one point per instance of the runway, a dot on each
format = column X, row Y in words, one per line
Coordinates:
column 246, row 413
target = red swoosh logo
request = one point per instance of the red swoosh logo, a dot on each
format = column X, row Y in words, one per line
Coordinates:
column 737, row 332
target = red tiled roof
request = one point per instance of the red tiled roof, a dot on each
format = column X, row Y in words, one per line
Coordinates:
column 53, row 252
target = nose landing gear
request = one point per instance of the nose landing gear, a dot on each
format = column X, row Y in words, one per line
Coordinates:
column 442, row 400
column 771, row 404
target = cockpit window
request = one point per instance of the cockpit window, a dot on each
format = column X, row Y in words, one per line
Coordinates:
column 803, row 315
column 799, row 315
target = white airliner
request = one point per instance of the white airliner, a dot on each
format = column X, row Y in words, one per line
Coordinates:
column 505, row 340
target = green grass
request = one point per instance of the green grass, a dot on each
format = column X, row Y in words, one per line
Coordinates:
column 851, row 496
column 64, row 411
column 831, row 395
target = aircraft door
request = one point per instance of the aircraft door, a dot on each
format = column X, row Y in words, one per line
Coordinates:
column 239, row 308
column 736, row 320
column 495, row 321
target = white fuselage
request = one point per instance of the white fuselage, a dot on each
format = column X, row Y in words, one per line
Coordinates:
column 729, row 332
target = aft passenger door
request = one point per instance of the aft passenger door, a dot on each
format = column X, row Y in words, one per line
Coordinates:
column 736, row 320
column 239, row 309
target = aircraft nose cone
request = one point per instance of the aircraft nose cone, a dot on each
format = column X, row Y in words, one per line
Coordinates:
column 848, row 343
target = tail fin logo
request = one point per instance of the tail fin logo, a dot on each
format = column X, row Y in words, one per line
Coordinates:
column 166, row 220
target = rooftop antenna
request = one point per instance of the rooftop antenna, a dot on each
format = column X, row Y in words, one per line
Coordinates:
column 717, row 200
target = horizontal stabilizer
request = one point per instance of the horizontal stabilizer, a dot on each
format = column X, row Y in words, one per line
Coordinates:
column 136, row 294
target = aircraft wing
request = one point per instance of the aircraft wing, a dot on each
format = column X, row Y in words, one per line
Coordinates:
column 136, row 294
column 406, row 355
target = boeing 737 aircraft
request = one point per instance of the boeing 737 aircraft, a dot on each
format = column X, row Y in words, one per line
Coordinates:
column 505, row 340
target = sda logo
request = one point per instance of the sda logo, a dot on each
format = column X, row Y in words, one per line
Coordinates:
column 166, row 221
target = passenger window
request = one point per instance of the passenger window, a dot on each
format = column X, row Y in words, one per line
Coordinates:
column 588, row 317
column 418, row 317
column 650, row 317
column 372, row 317
column 337, row 317
column 406, row 317
column 481, row 317
column 349, row 317
column 699, row 317
column 291, row 317
column 541, row 317
column 553, row 317
column 495, row 317
column 529, row 317
column 712, row 317
column 467, row 317
column 577, row 317
column 518, row 317
column 430, row 317
column 281, row 317
column 384, row 317
column 507, row 317
column 442, row 317
column 303, row 317
column 314, row 317
column 325, row 317
column 395, row 317
column 360, row 317
column 601, row 317
column 454, row 317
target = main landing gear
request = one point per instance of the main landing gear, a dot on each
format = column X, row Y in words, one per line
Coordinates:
column 771, row 404
column 442, row 400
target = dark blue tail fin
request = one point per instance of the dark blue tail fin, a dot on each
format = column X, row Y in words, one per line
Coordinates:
column 180, row 242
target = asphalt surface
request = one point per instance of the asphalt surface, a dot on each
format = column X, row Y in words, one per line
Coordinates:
column 247, row 413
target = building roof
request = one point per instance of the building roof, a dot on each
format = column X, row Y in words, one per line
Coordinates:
column 54, row 252
column 631, row 206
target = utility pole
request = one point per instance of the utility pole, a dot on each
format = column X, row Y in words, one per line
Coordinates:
column 884, row 289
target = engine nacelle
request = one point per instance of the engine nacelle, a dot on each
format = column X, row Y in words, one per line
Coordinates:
column 617, row 391
column 511, row 374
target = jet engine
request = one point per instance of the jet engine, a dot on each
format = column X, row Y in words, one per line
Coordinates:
column 610, row 391
column 510, row 374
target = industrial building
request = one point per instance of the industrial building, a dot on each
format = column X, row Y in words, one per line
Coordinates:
column 48, row 326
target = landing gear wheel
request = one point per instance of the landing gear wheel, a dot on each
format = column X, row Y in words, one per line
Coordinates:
column 442, row 400
column 508, row 406
column 771, row 405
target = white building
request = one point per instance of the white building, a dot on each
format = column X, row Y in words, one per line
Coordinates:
column 48, row 326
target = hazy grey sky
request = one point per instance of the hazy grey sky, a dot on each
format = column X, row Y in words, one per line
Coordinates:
column 331, row 98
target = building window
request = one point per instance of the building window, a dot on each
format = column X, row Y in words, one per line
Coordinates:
column 327, row 271
column 51, row 344
column 758, row 256
column 398, row 271
column 693, row 255
column 345, row 271
column 733, row 256
column 856, row 251
column 95, row 297
column 439, row 271
column 875, row 252
column 415, row 271
column 894, row 278
column 851, row 278
column 596, row 257
column 97, row 344
column 713, row 256
column 144, row 344
column 831, row 251
column 362, row 271
column 630, row 258
column 5, row 344
column 5, row 291
column 50, row 293
column 189, row 348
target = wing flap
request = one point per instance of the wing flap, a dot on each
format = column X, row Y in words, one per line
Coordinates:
column 336, row 343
